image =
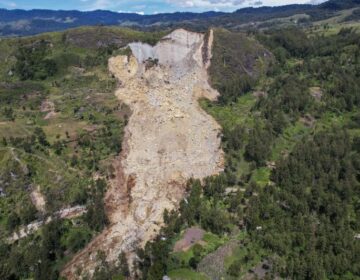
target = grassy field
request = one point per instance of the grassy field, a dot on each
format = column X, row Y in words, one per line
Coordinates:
column 238, row 113
column 186, row 274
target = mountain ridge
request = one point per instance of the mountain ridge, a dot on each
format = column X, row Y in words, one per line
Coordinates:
column 19, row 22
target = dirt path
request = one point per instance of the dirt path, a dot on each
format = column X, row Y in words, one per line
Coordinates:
column 67, row 213
column 168, row 140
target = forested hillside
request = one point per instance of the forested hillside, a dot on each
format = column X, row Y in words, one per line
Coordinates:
column 61, row 126
column 287, row 205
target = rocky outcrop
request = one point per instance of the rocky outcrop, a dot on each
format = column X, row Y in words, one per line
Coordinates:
column 168, row 140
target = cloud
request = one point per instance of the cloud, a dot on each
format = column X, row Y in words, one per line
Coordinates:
column 316, row 2
column 100, row 4
column 148, row 7
column 233, row 4
column 8, row 4
column 132, row 12
column 114, row 5
column 208, row 3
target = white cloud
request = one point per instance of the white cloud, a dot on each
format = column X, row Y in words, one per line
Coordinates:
column 138, row 6
column 131, row 12
column 315, row 2
column 9, row 4
column 212, row 4
column 207, row 3
column 113, row 5
column 100, row 5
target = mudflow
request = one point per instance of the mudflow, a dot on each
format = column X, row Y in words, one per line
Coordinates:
column 168, row 140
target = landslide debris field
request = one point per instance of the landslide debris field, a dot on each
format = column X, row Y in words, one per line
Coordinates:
column 85, row 174
column 168, row 140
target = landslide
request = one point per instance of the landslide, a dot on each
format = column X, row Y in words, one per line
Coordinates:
column 168, row 140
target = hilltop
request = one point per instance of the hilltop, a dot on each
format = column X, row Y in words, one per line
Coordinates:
column 22, row 22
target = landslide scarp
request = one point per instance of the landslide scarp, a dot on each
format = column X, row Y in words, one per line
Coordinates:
column 168, row 140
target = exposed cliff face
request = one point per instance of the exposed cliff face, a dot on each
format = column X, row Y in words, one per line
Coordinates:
column 168, row 140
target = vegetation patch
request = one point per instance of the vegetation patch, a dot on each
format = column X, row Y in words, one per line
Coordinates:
column 61, row 126
column 237, row 62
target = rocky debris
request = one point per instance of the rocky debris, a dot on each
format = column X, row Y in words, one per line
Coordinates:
column 271, row 165
column 168, row 140
column 48, row 107
column 67, row 213
column 27, row 230
column 71, row 213
column 50, row 115
column 231, row 191
column 38, row 199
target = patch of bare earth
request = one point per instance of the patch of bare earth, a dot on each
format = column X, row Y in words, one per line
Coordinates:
column 317, row 93
column 168, row 140
column 38, row 199
column 191, row 236
column 49, row 108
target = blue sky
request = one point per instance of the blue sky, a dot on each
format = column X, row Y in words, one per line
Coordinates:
column 146, row 7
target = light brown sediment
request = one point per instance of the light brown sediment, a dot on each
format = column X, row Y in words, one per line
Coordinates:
column 168, row 140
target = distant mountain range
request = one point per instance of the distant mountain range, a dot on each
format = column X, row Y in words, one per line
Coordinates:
column 23, row 22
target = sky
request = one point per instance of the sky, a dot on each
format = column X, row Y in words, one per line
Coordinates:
column 147, row 7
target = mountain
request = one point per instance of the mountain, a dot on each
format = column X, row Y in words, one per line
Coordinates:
column 339, row 5
column 174, row 154
column 22, row 22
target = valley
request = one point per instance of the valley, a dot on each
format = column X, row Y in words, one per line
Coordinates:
column 213, row 146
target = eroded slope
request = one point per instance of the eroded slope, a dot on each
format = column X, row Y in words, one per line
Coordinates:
column 168, row 140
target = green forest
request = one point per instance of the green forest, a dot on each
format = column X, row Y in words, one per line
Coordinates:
column 291, row 138
column 287, row 203
column 60, row 128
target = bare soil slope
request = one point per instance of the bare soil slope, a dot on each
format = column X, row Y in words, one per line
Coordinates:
column 168, row 140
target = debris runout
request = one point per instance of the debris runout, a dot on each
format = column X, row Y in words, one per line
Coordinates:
column 168, row 140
